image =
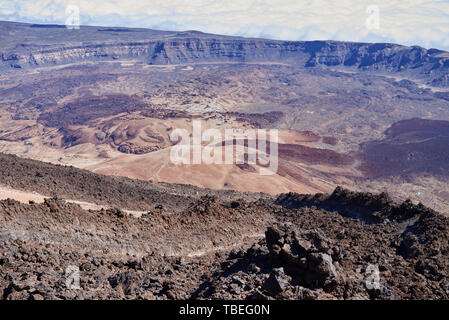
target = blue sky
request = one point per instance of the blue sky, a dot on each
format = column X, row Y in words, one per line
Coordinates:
column 410, row 22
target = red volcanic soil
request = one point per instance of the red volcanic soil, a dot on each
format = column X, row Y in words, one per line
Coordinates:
column 300, row 153
column 411, row 146
column 313, row 155
column 309, row 136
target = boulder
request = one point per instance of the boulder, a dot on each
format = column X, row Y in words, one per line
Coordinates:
column 277, row 282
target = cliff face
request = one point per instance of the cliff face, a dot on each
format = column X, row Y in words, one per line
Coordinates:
column 26, row 46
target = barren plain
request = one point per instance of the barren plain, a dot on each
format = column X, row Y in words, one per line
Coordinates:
column 109, row 104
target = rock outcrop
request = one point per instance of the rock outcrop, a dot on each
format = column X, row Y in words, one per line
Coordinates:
column 217, row 249
column 202, row 244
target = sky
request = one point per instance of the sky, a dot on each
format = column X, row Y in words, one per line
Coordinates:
column 409, row 22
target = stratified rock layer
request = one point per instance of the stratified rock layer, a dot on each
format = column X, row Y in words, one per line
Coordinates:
column 161, row 47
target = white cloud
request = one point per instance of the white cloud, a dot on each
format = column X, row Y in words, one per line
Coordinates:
column 421, row 22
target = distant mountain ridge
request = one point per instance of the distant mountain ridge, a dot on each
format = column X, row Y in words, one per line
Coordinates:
column 28, row 46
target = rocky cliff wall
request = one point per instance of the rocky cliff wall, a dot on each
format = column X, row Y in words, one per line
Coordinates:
column 195, row 47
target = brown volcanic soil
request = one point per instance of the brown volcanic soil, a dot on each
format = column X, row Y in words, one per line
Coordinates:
column 313, row 155
column 288, row 248
column 99, row 115
column 83, row 110
column 104, row 133
column 77, row 184
column 301, row 153
column 411, row 147
column 260, row 120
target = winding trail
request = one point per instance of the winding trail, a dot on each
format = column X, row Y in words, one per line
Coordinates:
column 200, row 253
column 26, row 196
